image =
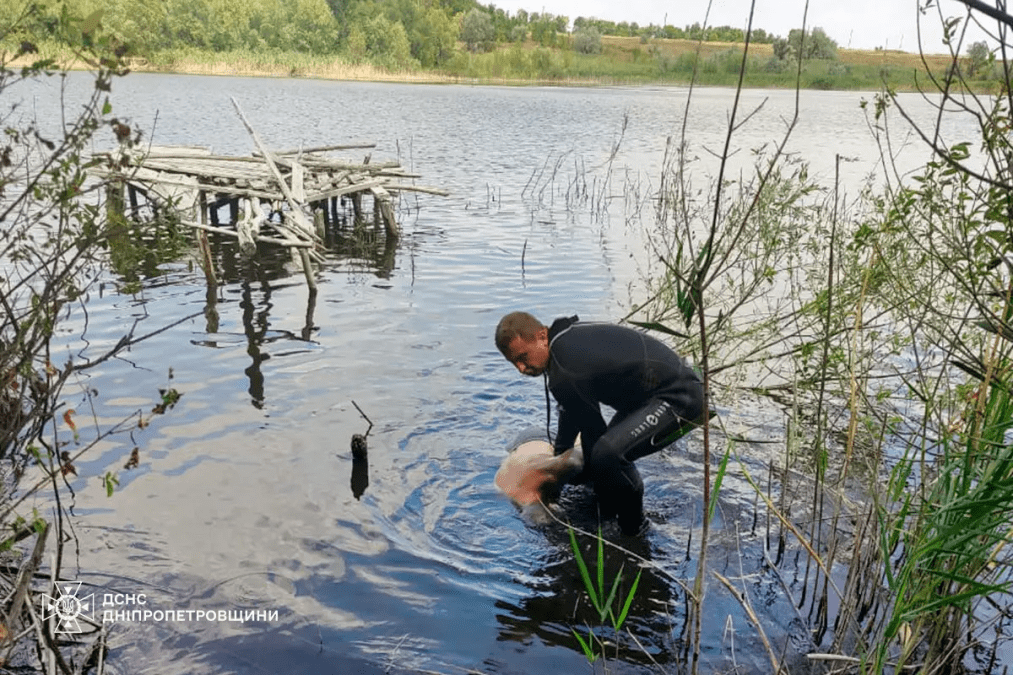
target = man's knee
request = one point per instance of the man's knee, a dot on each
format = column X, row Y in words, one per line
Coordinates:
column 610, row 470
column 692, row 405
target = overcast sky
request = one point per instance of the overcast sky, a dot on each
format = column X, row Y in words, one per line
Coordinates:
column 858, row 24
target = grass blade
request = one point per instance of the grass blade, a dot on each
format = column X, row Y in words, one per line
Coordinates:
column 607, row 607
column 629, row 601
column 588, row 646
column 717, row 481
column 584, row 574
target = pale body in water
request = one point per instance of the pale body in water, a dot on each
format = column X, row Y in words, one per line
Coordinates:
column 532, row 476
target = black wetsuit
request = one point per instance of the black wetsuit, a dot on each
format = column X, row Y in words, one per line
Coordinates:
column 652, row 391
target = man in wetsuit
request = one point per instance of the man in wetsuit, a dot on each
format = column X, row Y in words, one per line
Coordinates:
column 651, row 390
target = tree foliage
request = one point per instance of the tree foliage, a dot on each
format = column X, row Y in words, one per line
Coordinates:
column 386, row 43
column 980, row 58
column 587, row 40
column 343, row 27
column 477, row 30
column 430, row 31
column 815, row 44
column 782, row 50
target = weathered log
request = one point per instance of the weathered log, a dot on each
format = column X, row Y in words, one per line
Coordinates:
column 298, row 183
column 345, row 189
column 406, row 187
column 204, row 245
column 248, row 227
column 293, row 243
column 297, row 213
column 324, row 148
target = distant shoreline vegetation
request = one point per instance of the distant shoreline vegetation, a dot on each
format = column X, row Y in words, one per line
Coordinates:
column 459, row 40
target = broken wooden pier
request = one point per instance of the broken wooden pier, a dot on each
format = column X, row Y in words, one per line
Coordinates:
column 278, row 197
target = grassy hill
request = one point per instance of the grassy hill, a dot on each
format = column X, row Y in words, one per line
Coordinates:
column 622, row 60
column 632, row 60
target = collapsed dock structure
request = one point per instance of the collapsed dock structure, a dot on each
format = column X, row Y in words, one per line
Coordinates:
column 283, row 198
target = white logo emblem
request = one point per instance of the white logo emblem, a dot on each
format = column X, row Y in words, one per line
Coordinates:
column 66, row 607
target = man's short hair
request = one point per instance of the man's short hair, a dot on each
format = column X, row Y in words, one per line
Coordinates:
column 515, row 324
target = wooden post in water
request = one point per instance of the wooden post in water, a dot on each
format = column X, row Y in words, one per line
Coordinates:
column 204, row 245
column 357, row 206
column 320, row 222
column 383, row 202
column 134, row 210
column 248, row 227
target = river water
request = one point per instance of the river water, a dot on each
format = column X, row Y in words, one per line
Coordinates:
column 245, row 498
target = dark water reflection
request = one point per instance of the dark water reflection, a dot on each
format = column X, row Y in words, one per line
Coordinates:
column 247, row 496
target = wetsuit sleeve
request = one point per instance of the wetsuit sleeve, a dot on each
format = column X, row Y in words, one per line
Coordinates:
column 566, row 434
column 578, row 416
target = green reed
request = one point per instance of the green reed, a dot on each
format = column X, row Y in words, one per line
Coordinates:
column 944, row 540
column 604, row 598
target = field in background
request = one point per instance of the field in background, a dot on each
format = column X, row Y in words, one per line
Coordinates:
column 622, row 60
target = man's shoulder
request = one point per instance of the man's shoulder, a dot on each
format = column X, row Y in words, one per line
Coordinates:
column 599, row 332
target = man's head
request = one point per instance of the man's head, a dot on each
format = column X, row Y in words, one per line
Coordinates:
column 524, row 341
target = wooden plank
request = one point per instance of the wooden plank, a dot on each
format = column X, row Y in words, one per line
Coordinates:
column 298, row 183
column 405, row 187
column 178, row 151
column 323, row 148
column 345, row 189
column 211, row 169
column 232, row 233
column 351, row 166
column 393, row 173
column 206, row 187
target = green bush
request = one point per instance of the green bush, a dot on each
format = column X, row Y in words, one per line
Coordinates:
column 587, row 41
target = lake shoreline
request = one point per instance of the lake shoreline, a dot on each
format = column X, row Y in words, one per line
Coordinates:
column 343, row 72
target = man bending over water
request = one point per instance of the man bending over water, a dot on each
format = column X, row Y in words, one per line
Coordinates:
column 587, row 365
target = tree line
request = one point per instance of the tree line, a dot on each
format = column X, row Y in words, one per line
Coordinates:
column 395, row 34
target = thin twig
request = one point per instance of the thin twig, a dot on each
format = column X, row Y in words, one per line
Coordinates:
column 744, row 601
column 644, row 650
column 363, row 417
column 128, row 341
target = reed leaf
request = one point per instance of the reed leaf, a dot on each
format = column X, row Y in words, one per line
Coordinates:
column 584, row 574
column 618, row 622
